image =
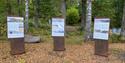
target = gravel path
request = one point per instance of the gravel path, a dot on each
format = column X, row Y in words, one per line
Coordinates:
column 43, row 53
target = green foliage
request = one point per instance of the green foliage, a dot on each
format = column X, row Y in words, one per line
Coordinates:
column 115, row 38
column 3, row 29
column 103, row 8
column 46, row 9
column 72, row 3
column 72, row 16
column 75, row 37
column 118, row 5
column 110, row 9
column 2, row 18
column 44, row 28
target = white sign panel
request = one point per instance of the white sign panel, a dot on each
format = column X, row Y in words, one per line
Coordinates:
column 15, row 27
column 101, row 28
column 58, row 27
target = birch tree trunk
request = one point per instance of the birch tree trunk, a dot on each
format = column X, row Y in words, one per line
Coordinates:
column 87, row 33
column 26, row 15
column 123, row 23
column 83, row 14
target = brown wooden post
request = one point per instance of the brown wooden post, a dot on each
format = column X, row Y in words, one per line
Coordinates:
column 59, row 44
column 15, row 33
column 17, row 46
column 59, row 37
column 101, row 47
column 101, row 35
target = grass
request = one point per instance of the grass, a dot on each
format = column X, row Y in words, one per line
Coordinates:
column 74, row 40
column 3, row 37
column 74, row 37
column 21, row 61
column 116, row 39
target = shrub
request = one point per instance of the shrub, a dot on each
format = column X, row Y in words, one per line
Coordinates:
column 72, row 16
column 3, row 26
column 115, row 38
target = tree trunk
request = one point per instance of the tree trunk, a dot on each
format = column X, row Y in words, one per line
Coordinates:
column 123, row 23
column 26, row 15
column 83, row 17
column 9, row 10
column 19, row 4
column 36, row 8
column 63, row 8
column 87, row 33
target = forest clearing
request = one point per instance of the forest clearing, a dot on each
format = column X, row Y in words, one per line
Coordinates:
column 62, row 31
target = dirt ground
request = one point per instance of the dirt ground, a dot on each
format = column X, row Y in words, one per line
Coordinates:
column 43, row 53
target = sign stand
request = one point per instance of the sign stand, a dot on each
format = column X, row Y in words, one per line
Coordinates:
column 59, row 43
column 100, row 35
column 17, row 46
column 15, row 28
column 101, row 48
column 58, row 30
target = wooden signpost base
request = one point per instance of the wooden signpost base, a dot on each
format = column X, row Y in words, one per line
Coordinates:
column 101, row 48
column 17, row 46
column 59, row 43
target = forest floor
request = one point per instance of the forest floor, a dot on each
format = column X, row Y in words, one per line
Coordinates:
column 43, row 53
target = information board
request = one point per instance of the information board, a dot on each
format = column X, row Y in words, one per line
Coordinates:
column 58, row 26
column 101, row 28
column 15, row 27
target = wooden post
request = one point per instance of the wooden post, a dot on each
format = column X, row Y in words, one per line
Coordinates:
column 101, row 47
column 17, row 46
column 59, row 44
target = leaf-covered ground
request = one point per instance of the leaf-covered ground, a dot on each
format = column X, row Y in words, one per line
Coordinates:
column 43, row 53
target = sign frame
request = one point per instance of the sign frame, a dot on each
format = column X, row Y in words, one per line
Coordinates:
column 15, row 27
column 101, row 30
column 101, row 45
column 58, row 27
